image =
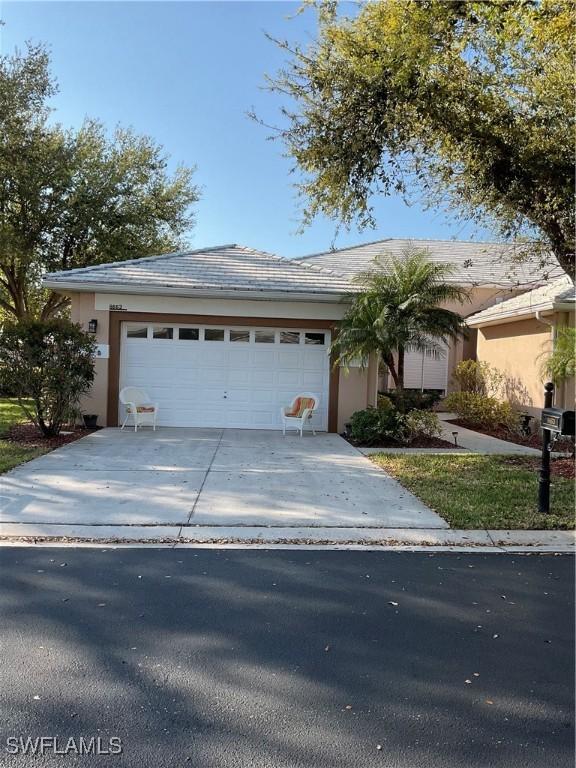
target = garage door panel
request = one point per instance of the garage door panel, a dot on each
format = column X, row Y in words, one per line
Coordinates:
column 290, row 378
column 240, row 384
column 212, row 377
column 237, row 378
column 313, row 381
column 290, row 359
column 211, row 356
column 263, row 359
column 262, row 396
column 263, row 419
column 236, row 396
column 239, row 357
column 263, row 378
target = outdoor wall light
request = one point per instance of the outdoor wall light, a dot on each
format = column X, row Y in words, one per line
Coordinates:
column 92, row 326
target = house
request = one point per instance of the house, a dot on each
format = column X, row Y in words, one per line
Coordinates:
column 224, row 336
column 517, row 335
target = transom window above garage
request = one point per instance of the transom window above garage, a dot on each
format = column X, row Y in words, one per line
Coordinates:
column 188, row 334
column 137, row 332
column 176, row 334
column 162, row 332
column 289, row 337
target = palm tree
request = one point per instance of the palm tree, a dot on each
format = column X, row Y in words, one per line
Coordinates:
column 561, row 363
column 398, row 310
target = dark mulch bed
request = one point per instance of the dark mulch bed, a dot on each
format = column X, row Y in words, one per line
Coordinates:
column 558, row 467
column 532, row 441
column 419, row 442
column 30, row 436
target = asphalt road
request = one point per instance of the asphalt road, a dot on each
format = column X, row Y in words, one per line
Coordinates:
column 280, row 659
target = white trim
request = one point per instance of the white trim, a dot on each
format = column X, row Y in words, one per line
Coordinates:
column 159, row 290
column 511, row 316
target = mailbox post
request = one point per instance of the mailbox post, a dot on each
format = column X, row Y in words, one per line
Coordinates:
column 554, row 421
column 544, row 479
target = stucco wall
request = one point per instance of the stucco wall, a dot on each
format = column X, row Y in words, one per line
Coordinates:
column 517, row 349
column 358, row 388
column 82, row 311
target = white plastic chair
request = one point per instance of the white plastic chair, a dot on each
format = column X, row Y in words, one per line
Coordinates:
column 303, row 415
column 138, row 405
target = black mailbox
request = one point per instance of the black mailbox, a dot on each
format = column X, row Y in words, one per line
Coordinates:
column 558, row 420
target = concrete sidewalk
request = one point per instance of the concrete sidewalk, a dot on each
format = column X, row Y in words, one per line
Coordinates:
column 476, row 442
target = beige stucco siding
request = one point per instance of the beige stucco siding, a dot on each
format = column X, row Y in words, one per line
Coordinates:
column 82, row 310
column 517, row 350
column 358, row 388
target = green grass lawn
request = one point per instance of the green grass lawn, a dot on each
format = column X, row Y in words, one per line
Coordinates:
column 10, row 413
column 10, row 454
column 482, row 491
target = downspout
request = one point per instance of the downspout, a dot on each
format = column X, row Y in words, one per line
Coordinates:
column 559, row 391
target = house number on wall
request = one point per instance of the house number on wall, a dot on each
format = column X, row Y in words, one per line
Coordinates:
column 117, row 307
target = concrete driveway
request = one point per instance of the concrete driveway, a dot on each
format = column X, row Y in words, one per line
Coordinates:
column 183, row 479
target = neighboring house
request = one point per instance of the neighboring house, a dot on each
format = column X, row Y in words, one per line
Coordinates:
column 516, row 336
column 225, row 336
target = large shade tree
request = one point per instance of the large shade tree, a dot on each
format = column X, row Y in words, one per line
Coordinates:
column 471, row 103
column 73, row 198
column 398, row 309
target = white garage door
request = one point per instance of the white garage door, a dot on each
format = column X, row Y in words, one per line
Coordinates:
column 211, row 376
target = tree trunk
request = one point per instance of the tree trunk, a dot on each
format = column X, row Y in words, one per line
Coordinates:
column 400, row 381
column 389, row 361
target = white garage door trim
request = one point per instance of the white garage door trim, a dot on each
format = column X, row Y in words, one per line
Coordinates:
column 225, row 376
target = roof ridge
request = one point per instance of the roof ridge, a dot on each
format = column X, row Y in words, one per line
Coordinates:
column 140, row 259
column 345, row 248
column 514, row 243
column 285, row 260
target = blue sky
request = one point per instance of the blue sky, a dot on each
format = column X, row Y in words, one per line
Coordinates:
column 186, row 73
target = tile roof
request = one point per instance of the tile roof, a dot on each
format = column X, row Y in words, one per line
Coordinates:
column 221, row 268
column 557, row 294
column 474, row 263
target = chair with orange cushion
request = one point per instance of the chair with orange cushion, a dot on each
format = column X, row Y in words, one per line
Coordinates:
column 138, row 405
column 299, row 412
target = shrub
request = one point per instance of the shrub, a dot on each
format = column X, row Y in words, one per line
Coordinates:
column 479, row 378
column 422, row 423
column 385, row 402
column 481, row 411
column 49, row 362
column 372, row 425
column 406, row 400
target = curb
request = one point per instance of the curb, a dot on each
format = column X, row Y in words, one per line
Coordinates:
column 374, row 539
